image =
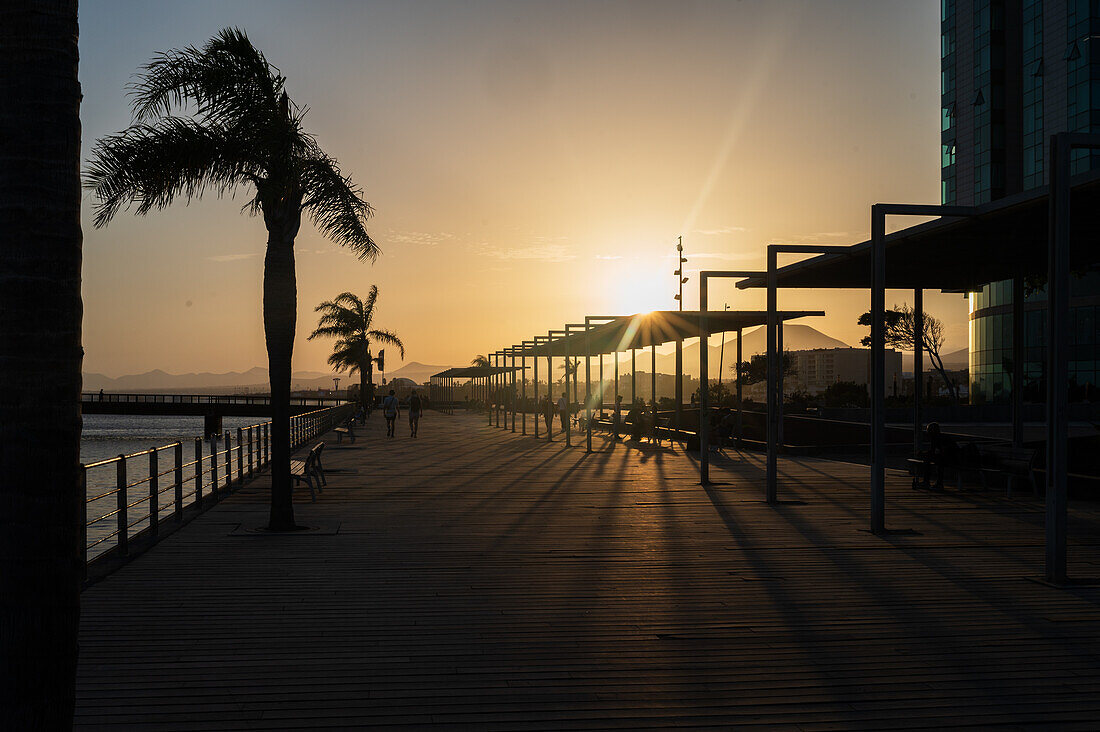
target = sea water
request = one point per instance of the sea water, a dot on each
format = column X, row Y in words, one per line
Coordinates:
column 107, row 436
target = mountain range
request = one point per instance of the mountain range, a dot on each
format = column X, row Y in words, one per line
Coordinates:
column 795, row 337
column 254, row 379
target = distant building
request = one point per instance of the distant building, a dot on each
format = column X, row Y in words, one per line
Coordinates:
column 819, row 368
column 1015, row 72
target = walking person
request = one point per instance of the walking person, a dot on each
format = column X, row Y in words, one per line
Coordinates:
column 390, row 408
column 617, row 418
column 548, row 416
column 415, row 410
column 563, row 412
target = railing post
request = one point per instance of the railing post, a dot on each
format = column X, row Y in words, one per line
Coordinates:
column 251, row 454
column 82, row 512
column 228, row 460
column 198, row 473
column 267, row 443
column 154, row 492
column 122, row 540
column 179, row 481
column 240, row 456
column 214, row 466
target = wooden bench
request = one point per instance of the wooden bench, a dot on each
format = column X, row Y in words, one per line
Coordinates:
column 309, row 471
column 965, row 459
column 347, row 429
column 1011, row 462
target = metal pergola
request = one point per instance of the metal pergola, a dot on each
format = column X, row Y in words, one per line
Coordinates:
column 602, row 335
column 961, row 250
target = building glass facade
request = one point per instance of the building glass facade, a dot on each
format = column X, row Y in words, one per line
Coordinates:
column 1033, row 69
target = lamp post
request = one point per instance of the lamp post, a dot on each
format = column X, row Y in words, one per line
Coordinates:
column 681, row 280
column 336, row 387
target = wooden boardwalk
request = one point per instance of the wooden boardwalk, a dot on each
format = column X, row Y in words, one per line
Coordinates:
column 476, row 579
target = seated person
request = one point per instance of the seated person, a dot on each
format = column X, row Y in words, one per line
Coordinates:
column 634, row 416
column 941, row 451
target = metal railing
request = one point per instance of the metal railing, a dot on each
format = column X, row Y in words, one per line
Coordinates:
column 90, row 396
column 128, row 497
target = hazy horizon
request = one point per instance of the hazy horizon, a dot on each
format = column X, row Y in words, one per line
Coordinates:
column 529, row 163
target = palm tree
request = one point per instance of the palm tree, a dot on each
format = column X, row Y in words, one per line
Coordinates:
column 245, row 131
column 41, row 503
column 480, row 361
column 570, row 367
column 348, row 319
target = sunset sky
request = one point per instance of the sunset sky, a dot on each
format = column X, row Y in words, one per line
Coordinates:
column 530, row 163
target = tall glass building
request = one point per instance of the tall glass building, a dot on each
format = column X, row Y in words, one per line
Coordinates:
column 1014, row 72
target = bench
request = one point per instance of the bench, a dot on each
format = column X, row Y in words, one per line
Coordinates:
column 966, row 458
column 347, row 429
column 309, row 471
column 1012, row 462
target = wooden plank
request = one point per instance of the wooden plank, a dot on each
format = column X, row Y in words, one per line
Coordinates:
column 481, row 579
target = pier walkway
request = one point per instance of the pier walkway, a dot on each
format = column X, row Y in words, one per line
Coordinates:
column 479, row 579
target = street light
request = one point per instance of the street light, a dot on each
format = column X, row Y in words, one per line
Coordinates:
column 336, row 386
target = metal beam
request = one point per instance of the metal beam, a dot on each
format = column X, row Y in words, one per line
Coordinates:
column 704, row 365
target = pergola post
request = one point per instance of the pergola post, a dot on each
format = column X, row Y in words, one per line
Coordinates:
column 771, row 488
column 918, row 365
column 779, row 386
column 512, row 390
column 599, row 389
column 653, row 380
column 616, row 367
column 1058, row 286
column 704, row 385
column 550, row 378
column 587, row 391
column 633, row 376
column 535, row 379
column 878, row 370
column 678, row 389
column 704, row 367
column 879, row 212
column 1018, row 360
column 740, row 408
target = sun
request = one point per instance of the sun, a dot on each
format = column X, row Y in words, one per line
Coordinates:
column 639, row 286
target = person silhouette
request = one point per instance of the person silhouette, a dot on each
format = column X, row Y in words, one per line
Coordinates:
column 415, row 410
column 390, row 408
column 563, row 412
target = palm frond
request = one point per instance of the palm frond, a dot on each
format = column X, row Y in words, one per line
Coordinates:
column 152, row 165
column 336, row 206
column 227, row 78
column 389, row 338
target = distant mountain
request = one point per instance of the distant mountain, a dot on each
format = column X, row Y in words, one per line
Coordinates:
column 418, row 372
column 255, row 379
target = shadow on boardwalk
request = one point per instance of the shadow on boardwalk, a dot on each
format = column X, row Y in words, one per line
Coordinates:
column 477, row 579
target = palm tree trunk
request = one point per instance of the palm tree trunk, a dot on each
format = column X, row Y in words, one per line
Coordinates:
column 40, row 360
column 368, row 394
column 280, row 316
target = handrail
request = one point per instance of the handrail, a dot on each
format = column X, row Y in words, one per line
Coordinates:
column 246, row 399
column 217, row 465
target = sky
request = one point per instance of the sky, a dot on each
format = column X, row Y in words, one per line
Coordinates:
column 529, row 163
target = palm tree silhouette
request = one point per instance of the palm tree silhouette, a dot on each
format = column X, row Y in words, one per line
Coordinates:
column 348, row 319
column 480, row 361
column 570, row 367
column 244, row 131
column 40, row 313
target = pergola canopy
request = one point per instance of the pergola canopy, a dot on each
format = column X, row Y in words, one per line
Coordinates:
column 653, row 329
column 473, row 372
column 1002, row 240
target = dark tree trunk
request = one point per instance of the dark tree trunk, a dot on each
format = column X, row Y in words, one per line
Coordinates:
column 368, row 383
column 280, row 318
column 41, row 503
